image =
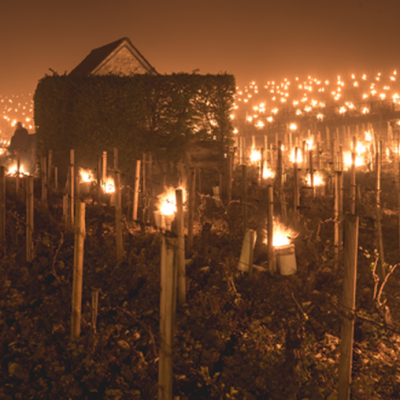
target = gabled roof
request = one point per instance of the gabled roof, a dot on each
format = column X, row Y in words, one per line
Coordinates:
column 98, row 57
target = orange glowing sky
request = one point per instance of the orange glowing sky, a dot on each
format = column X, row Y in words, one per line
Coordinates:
column 252, row 39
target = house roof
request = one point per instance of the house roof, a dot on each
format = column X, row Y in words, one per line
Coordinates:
column 98, row 57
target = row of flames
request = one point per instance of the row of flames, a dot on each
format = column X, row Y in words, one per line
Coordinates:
column 364, row 151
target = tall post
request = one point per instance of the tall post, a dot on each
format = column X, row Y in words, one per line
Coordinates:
column 104, row 170
column 192, row 196
column 99, row 179
column 349, row 307
column 180, row 256
column 136, row 191
column 17, row 177
column 118, row 217
column 296, row 194
column 310, row 158
column 2, row 204
column 337, row 214
column 29, row 218
column 49, row 166
column 167, row 317
column 271, row 252
column 115, row 158
column 379, row 237
column 244, row 197
column 78, row 271
column 71, row 195
column 353, row 186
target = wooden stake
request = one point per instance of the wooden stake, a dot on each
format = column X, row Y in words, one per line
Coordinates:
column 118, row 217
column 99, row 179
column 244, row 197
column 192, row 196
column 167, row 317
column 56, row 178
column 379, row 237
column 271, row 252
column 17, row 177
column 71, row 194
column 49, row 166
column 353, row 184
column 78, row 271
column 29, row 218
column 296, row 194
column 310, row 158
column 104, row 170
column 180, row 256
column 2, row 204
column 95, row 306
column 136, row 191
column 349, row 306
column 337, row 213
column 115, row 158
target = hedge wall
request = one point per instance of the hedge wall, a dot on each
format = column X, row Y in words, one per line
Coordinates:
column 136, row 114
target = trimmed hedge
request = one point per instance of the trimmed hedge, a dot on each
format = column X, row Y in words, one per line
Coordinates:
column 135, row 114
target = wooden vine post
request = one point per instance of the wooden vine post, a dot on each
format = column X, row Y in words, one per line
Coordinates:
column 49, row 166
column 167, row 317
column 337, row 214
column 78, row 271
column 353, row 184
column 99, row 180
column 29, row 218
column 271, row 252
column 71, row 195
column 2, row 204
column 192, row 196
column 118, row 217
column 310, row 158
column 244, row 197
column 296, row 194
column 398, row 209
column 55, row 178
column 349, row 306
column 379, row 237
column 180, row 256
column 17, row 176
column 136, row 191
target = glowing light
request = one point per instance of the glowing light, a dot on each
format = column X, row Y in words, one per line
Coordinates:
column 167, row 201
column 282, row 235
column 109, row 186
column 86, row 175
column 318, row 179
column 255, row 156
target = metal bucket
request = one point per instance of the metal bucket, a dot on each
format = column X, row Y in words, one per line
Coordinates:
column 286, row 259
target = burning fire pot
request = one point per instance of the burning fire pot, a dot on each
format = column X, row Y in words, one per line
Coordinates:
column 286, row 259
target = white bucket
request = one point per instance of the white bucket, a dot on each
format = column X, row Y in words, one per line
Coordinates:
column 286, row 259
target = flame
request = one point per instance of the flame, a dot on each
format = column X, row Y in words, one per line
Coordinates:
column 267, row 172
column 167, row 201
column 347, row 160
column 13, row 171
column 109, row 186
column 299, row 156
column 368, row 136
column 318, row 179
column 282, row 235
column 86, row 175
column 255, row 156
